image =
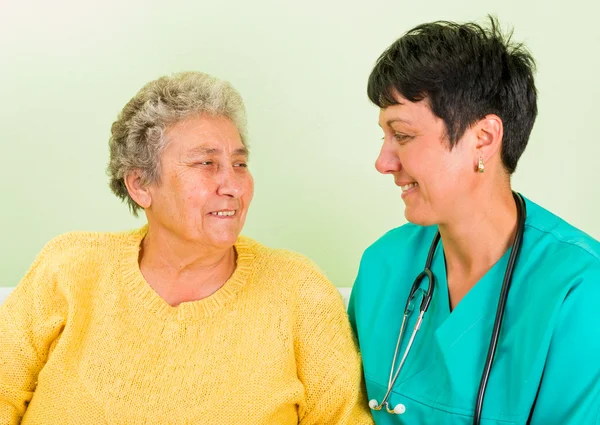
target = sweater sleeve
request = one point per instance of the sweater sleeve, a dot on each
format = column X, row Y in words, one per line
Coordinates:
column 328, row 361
column 31, row 320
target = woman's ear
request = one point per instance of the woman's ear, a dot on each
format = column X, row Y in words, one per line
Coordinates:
column 489, row 132
column 137, row 189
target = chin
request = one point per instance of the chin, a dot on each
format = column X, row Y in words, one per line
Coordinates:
column 416, row 217
column 224, row 240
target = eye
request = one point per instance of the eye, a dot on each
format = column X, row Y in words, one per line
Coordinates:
column 205, row 163
column 241, row 165
column 402, row 138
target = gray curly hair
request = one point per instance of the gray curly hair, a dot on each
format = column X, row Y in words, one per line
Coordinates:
column 137, row 136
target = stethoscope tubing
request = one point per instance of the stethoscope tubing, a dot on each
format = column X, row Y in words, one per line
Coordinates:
column 516, row 249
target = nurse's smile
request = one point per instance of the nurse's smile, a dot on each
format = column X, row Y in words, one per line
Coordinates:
column 409, row 188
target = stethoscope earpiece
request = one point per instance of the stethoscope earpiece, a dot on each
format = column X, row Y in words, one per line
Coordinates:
column 399, row 409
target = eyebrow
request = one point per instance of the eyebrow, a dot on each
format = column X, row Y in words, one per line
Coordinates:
column 202, row 150
column 397, row 119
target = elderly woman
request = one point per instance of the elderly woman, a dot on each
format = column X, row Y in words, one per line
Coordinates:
column 182, row 321
column 502, row 324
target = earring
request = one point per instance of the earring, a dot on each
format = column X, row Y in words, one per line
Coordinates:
column 480, row 166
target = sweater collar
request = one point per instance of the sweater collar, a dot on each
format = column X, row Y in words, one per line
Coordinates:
column 191, row 310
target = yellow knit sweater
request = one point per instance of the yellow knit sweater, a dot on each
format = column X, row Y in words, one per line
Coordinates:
column 85, row 340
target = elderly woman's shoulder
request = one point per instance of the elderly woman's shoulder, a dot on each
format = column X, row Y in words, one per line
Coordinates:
column 75, row 257
column 77, row 246
column 286, row 274
column 279, row 260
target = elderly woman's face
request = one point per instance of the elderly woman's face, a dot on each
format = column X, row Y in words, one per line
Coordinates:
column 205, row 186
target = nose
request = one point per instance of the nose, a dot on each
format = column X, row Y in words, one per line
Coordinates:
column 230, row 183
column 387, row 162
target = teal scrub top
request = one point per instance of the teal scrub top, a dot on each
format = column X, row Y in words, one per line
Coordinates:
column 547, row 365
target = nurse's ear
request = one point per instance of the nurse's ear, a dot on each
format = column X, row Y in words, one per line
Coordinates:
column 488, row 133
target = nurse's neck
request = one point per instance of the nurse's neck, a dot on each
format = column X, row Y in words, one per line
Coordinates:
column 477, row 238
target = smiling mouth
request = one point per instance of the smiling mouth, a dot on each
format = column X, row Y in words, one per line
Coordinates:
column 224, row 213
column 409, row 186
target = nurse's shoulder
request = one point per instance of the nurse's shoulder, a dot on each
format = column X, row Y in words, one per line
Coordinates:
column 565, row 249
column 560, row 262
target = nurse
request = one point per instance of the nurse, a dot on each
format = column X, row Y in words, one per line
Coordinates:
column 457, row 105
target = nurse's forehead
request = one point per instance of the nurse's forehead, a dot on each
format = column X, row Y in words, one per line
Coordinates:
column 411, row 114
column 394, row 114
column 391, row 121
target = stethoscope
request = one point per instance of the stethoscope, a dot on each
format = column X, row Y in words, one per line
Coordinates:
column 426, row 300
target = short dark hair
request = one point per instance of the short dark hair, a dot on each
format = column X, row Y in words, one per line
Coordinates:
column 465, row 72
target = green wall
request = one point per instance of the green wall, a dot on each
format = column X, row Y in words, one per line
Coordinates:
column 67, row 67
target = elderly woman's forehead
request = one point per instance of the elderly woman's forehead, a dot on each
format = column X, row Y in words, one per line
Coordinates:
column 200, row 119
column 202, row 150
column 198, row 125
column 203, row 135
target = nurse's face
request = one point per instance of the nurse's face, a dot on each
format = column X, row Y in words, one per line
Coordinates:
column 415, row 151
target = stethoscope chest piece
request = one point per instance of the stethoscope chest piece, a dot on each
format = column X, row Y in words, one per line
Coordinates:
column 426, row 295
